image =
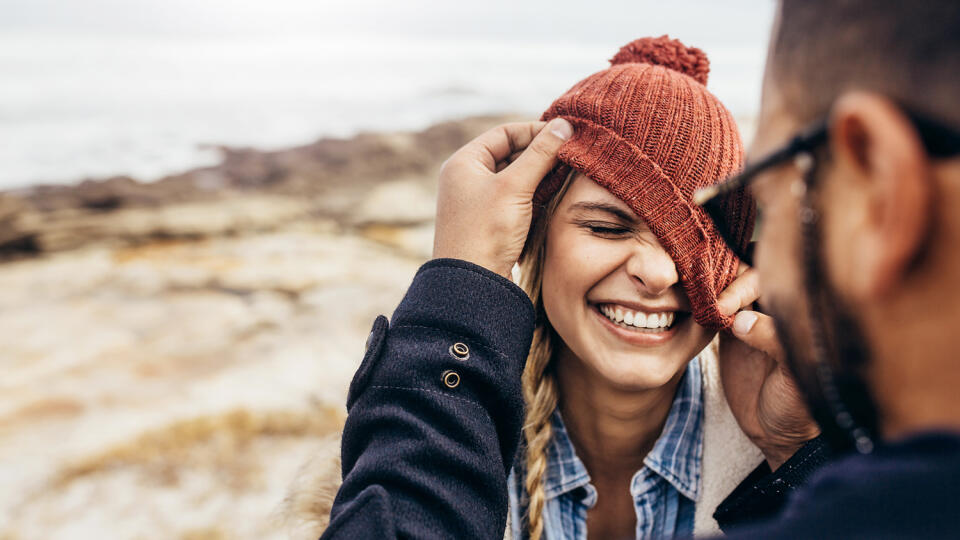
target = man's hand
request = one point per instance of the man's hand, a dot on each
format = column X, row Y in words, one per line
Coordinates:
column 759, row 388
column 484, row 203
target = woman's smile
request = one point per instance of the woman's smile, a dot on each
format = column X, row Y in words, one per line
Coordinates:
column 638, row 327
column 640, row 319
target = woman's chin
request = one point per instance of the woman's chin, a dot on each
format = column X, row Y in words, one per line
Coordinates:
column 639, row 372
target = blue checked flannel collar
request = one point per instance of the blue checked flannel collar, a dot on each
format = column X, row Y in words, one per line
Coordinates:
column 675, row 456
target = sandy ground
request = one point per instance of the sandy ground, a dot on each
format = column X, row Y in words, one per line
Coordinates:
column 175, row 389
column 176, row 354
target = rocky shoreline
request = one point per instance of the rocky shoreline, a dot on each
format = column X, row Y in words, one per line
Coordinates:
column 176, row 351
column 249, row 191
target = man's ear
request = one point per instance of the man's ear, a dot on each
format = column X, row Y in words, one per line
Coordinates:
column 882, row 195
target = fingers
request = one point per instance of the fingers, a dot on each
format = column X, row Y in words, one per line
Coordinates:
column 501, row 165
column 743, row 292
column 497, row 144
column 540, row 155
column 758, row 331
column 742, row 267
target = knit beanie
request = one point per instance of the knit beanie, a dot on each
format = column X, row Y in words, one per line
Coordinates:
column 648, row 130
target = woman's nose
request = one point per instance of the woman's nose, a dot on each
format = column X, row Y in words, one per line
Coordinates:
column 652, row 269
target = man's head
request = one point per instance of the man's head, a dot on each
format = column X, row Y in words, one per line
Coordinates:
column 872, row 280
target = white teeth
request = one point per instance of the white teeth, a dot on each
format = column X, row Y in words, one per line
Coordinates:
column 638, row 319
column 653, row 321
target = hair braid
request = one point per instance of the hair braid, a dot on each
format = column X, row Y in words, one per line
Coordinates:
column 540, row 392
column 539, row 383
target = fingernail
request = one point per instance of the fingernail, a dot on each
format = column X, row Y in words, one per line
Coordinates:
column 744, row 322
column 561, row 128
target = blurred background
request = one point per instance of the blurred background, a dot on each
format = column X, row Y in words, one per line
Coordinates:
column 205, row 203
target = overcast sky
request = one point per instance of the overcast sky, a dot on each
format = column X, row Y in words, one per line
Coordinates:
column 711, row 21
column 100, row 87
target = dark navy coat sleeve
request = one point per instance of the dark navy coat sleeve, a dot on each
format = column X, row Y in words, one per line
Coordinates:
column 764, row 494
column 435, row 410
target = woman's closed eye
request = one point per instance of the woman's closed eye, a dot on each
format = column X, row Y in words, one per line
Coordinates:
column 606, row 229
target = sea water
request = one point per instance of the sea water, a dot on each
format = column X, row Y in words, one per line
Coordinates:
column 94, row 88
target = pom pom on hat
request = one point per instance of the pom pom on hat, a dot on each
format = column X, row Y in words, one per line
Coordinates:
column 666, row 52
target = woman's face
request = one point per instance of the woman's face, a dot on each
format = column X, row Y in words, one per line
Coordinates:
column 612, row 293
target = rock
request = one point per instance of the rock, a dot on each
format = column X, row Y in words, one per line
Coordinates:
column 190, row 342
column 413, row 241
column 372, row 178
column 72, row 228
column 117, row 346
column 401, row 202
column 15, row 236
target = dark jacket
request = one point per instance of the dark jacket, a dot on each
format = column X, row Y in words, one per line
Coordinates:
column 431, row 432
column 908, row 489
column 435, row 411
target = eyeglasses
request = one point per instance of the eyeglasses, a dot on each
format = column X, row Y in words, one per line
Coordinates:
column 939, row 140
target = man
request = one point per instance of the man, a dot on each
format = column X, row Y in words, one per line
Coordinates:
column 857, row 262
column 857, row 258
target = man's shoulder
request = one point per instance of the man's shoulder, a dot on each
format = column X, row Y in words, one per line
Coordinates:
column 906, row 490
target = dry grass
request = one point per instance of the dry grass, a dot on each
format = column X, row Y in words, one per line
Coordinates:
column 51, row 408
column 164, row 252
column 219, row 444
column 388, row 234
column 207, row 533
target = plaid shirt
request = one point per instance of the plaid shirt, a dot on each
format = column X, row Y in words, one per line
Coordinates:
column 664, row 490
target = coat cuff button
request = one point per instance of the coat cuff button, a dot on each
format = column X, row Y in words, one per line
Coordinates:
column 451, row 378
column 460, row 351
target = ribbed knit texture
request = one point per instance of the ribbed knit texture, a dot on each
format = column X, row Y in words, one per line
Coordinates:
column 649, row 131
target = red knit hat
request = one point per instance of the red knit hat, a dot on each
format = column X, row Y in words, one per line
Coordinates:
column 649, row 131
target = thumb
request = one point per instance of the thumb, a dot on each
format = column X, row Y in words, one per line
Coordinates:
column 758, row 331
column 540, row 156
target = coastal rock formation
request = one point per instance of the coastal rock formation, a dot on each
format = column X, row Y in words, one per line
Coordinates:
column 174, row 353
column 249, row 191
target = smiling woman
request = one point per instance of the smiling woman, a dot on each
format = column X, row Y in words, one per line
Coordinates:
column 613, row 292
column 624, row 273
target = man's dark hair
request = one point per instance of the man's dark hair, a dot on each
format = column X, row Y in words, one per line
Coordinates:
column 908, row 50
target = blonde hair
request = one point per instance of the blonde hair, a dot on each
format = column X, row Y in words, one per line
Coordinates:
column 539, row 380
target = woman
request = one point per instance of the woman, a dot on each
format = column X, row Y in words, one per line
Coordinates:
column 623, row 397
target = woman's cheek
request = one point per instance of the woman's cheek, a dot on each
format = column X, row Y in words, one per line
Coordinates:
column 586, row 254
column 567, row 277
